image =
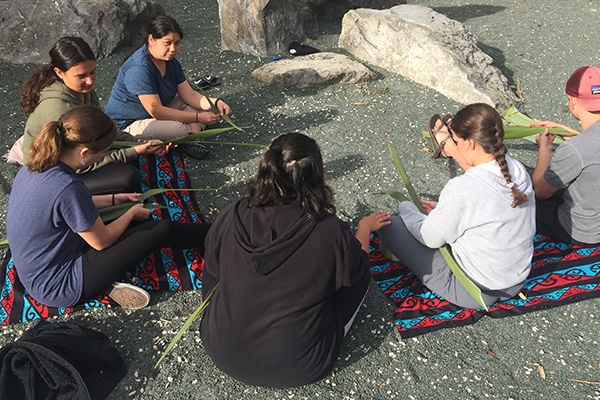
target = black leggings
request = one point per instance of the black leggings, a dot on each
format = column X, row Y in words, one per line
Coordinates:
column 101, row 268
column 115, row 177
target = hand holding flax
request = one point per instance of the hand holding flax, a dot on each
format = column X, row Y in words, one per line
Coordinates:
column 552, row 124
column 215, row 104
column 100, row 236
column 428, row 205
column 369, row 224
column 153, row 147
column 544, row 141
column 543, row 189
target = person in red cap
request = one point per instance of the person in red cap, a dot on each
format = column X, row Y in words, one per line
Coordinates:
column 567, row 185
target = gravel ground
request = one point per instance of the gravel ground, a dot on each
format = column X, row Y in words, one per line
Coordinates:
column 536, row 44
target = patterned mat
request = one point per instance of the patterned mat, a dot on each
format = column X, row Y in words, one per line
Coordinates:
column 561, row 274
column 165, row 269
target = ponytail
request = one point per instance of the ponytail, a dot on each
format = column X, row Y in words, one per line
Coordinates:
column 46, row 147
column 82, row 125
column 292, row 169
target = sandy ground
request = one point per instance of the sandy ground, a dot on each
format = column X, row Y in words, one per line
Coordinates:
column 536, row 44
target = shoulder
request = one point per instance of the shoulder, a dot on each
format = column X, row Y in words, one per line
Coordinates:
column 56, row 90
column 138, row 61
column 227, row 213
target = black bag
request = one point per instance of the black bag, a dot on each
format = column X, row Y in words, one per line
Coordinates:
column 60, row 361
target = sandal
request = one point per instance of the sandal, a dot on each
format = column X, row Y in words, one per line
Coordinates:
column 438, row 147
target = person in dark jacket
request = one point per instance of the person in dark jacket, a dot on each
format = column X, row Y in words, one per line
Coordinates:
column 291, row 274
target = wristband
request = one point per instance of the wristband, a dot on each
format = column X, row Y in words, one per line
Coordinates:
column 196, row 117
column 217, row 101
column 113, row 199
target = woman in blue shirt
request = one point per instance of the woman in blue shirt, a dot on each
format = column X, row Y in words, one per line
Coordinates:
column 151, row 97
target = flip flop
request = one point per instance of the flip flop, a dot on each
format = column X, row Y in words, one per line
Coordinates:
column 438, row 147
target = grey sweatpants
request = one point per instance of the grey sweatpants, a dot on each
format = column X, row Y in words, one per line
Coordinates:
column 431, row 268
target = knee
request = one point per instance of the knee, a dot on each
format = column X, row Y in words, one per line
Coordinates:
column 396, row 224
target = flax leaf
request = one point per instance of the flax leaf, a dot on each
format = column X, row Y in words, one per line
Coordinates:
column 409, row 187
column 215, row 110
column 197, row 313
column 113, row 212
column 257, row 145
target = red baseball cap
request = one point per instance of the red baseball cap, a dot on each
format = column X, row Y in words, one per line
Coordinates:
column 584, row 84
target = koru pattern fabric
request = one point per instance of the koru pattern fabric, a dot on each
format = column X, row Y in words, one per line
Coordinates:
column 560, row 274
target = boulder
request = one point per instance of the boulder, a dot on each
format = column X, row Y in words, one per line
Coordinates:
column 34, row 26
column 265, row 28
column 428, row 48
column 259, row 27
column 314, row 70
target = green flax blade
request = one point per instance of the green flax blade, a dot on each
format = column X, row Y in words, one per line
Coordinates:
column 409, row 187
column 257, row 145
column 518, row 132
column 464, row 280
column 113, row 212
column 199, row 135
column 180, row 139
column 197, row 313
column 215, row 110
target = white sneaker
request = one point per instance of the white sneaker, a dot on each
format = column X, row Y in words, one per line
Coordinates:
column 129, row 296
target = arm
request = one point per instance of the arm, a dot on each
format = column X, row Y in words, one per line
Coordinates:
column 542, row 188
column 100, row 236
column 192, row 98
column 106, row 200
column 552, row 124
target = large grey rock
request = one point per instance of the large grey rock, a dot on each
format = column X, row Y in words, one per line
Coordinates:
column 314, row 70
column 429, row 48
column 33, row 26
column 266, row 27
column 259, row 27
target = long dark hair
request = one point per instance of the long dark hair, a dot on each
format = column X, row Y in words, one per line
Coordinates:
column 292, row 169
column 482, row 123
column 84, row 125
column 66, row 52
